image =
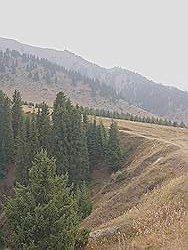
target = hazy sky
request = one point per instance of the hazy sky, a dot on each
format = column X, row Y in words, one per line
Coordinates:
column 147, row 36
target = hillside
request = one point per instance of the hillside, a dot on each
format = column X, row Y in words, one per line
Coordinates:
column 39, row 79
column 144, row 205
column 129, row 86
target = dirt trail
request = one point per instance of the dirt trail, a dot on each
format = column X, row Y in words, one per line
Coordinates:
column 156, row 156
column 169, row 135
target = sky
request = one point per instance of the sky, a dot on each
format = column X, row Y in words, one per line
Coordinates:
column 146, row 36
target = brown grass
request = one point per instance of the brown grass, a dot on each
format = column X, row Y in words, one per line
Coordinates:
column 144, row 205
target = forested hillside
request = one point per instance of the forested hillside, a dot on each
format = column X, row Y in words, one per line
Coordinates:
column 54, row 154
column 39, row 79
column 124, row 85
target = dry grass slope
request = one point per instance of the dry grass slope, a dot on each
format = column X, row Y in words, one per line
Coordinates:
column 144, row 205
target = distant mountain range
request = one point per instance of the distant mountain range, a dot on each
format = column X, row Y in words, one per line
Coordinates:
column 91, row 85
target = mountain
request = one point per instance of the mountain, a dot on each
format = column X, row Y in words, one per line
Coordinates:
column 39, row 79
column 131, row 88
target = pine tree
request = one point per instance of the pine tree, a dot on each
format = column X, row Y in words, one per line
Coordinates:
column 59, row 132
column 27, row 145
column 42, row 215
column 21, row 148
column 6, row 134
column 69, row 140
column 97, row 142
column 114, row 148
column 175, row 124
column 33, row 139
column 17, row 112
column 77, row 148
column 44, row 127
column 101, row 141
column 182, row 125
column 83, row 200
column 60, row 102
column 92, row 143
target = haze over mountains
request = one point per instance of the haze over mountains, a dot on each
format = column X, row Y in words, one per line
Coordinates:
column 114, row 89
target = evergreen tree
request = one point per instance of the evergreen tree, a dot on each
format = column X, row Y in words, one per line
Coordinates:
column 22, row 151
column 92, row 143
column 33, row 139
column 69, row 136
column 44, row 127
column 97, row 142
column 60, row 139
column 6, row 134
column 17, row 112
column 175, row 124
column 114, row 148
column 27, row 145
column 60, row 102
column 182, row 125
column 83, row 200
column 42, row 215
column 101, row 141
column 77, row 148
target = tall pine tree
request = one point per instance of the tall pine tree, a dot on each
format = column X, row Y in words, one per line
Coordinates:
column 97, row 142
column 92, row 143
column 22, row 152
column 44, row 127
column 77, row 148
column 59, row 132
column 69, row 140
column 6, row 134
column 17, row 112
column 27, row 145
column 42, row 215
column 114, row 148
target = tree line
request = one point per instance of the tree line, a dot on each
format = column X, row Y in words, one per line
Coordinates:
column 54, row 153
column 131, row 117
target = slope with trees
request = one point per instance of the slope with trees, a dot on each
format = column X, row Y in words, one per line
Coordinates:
column 129, row 86
column 39, row 79
column 54, row 157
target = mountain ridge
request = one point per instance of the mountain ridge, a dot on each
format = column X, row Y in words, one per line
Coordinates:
column 26, row 48
column 131, row 87
column 39, row 80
